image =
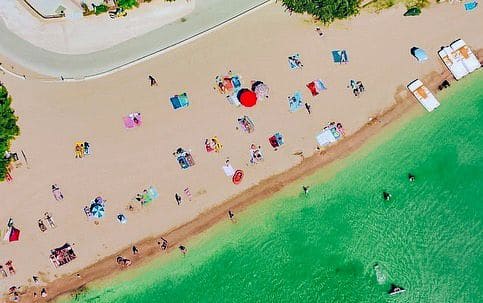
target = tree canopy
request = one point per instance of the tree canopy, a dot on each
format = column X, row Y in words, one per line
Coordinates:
column 324, row 10
column 8, row 129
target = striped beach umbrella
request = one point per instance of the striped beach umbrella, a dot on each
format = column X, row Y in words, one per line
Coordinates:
column 97, row 210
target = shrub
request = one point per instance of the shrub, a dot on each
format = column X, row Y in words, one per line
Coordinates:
column 101, row 9
column 127, row 4
column 8, row 129
column 324, row 10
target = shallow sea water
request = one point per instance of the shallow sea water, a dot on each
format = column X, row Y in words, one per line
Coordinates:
column 428, row 238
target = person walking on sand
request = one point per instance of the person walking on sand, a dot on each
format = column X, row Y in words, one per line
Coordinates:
column 307, row 107
column 231, row 215
column 152, row 81
column 163, row 243
column 183, row 250
column 3, row 272
column 135, row 250
column 178, row 198
column 305, row 189
column 317, row 29
column 43, row 293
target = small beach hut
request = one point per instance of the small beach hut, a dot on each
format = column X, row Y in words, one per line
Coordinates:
column 419, row 54
column 246, row 97
column 180, row 101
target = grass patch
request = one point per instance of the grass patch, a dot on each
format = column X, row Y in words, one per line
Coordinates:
column 8, row 129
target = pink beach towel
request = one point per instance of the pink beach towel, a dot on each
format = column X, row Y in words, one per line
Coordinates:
column 128, row 122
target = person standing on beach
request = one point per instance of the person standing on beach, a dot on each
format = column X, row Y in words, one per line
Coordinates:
column 183, row 250
column 135, row 250
column 317, row 29
column 231, row 215
column 178, row 198
column 305, row 189
column 152, row 81
column 307, row 107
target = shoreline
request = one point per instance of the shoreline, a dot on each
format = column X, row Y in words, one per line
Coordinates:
column 107, row 267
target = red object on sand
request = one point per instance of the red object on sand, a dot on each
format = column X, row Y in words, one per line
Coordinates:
column 14, row 234
column 247, row 97
column 238, row 176
column 313, row 89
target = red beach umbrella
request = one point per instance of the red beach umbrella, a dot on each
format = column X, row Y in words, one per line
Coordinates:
column 247, row 98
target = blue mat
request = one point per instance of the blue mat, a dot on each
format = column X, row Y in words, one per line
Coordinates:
column 469, row 6
column 295, row 102
column 340, row 56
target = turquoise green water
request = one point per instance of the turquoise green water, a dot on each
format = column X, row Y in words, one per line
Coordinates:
column 428, row 238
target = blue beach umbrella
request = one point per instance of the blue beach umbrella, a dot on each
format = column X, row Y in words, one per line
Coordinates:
column 419, row 53
column 97, row 210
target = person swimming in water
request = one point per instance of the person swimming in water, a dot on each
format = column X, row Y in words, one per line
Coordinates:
column 411, row 177
column 305, row 189
column 387, row 196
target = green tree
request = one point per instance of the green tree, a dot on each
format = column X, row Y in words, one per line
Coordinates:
column 8, row 129
column 324, row 10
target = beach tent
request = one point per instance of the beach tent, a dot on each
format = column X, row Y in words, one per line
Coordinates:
column 295, row 102
column 247, row 98
column 180, row 101
column 469, row 6
column 419, row 53
column 316, row 87
column 340, row 56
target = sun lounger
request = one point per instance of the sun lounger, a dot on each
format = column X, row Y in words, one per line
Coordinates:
column 340, row 56
column 424, row 96
column 453, row 63
column 295, row 102
column 469, row 60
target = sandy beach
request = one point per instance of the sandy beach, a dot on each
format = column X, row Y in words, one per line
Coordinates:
column 53, row 116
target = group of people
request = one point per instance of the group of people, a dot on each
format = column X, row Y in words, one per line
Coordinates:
column 387, row 196
column 213, row 144
column 357, row 87
column 50, row 220
column 10, row 268
column 82, row 149
column 295, row 61
column 256, row 155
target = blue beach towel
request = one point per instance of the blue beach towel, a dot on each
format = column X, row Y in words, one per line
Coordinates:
column 295, row 102
column 236, row 82
column 179, row 101
column 293, row 63
column 340, row 56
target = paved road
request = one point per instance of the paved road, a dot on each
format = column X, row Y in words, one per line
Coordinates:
column 207, row 15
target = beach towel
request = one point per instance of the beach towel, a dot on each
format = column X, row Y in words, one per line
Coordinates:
column 233, row 99
column 340, row 56
column 187, row 192
column 128, row 122
column 316, row 87
column 229, row 170
column 469, row 6
column 179, row 101
column 295, row 102
column 294, row 61
column 153, row 193
column 236, row 82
